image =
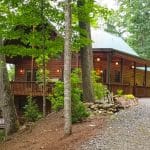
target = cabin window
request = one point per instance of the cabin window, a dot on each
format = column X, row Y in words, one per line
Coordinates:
column 28, row 75
column 117, row 76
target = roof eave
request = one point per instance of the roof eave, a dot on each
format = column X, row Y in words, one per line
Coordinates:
column 145, row 61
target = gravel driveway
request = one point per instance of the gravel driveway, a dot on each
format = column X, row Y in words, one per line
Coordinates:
column 127, row 130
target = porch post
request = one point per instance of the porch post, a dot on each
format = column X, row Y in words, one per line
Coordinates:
column 122, row 62
column 134, row 74
column 134, row 80
column 108, row 69
column 145, row 76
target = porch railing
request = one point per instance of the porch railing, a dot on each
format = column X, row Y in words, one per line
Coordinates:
column 35, row 89
column 142, row 91
column 138, row 91
column 30, row 88
column 127, row 89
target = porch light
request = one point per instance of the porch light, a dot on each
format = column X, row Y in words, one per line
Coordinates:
column 101, row 71
column 21, row 71
column 98, row 59
column 117, row 63
column 132, row 67
column 58, row 70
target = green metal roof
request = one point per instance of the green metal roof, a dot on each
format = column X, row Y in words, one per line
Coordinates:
column 104, row 40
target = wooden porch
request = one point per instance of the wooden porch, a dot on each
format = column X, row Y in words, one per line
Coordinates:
column 34, row 89
column 29, row 88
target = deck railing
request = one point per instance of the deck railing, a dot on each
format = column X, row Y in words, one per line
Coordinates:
column 30, row 88
column 138, row 91
column 35, row 89
column 127, row 89
column 142, row 91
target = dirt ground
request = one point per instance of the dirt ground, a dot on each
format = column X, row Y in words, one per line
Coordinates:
column 47, row 134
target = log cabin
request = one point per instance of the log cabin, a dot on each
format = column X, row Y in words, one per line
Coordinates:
column 117, row 64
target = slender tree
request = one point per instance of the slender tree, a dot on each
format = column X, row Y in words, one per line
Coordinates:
column 67, row 69
column 43, row 49
column 6, row 99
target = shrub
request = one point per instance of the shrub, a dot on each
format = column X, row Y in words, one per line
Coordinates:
column 2, row 135
column 99, row 88
column 79, row 111
column 57, row 96
column 119, row 92
column 129, row 97
column 31, row 112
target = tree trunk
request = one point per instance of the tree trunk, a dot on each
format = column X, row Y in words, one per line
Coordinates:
column 86, row 53
column 67, row 69
column 7, row 100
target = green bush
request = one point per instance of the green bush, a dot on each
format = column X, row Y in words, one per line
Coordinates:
column 99, row 88
column 79, row 111
column 57, row 96
column 2, row 135
column 119, row 92
column 31, row 111
column 129, row 97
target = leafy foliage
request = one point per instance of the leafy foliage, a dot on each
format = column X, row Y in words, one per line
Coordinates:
column 133, row 19
column 31, row 111
column 18, row 18
column 39, row 73
column 99, row 88
column 119, row 92
column 129, row 97
column 79, row 111
column 57, row 97
column 23, row 28
column 2, row 135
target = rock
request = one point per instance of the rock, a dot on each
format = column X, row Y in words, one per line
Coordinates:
column 92, row 125
column 92, row 106
column 99, row 111
column 42, row 147
column 22, row 128
column 88, row 104
column 110, row 112
column 106, row 106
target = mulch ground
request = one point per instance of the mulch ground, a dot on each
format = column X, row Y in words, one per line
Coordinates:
column 47, row 134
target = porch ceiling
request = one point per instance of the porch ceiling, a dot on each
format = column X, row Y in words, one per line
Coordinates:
column 117, row 55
